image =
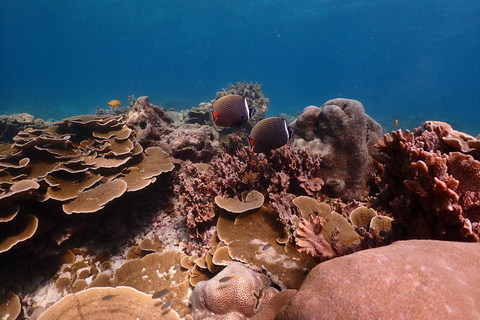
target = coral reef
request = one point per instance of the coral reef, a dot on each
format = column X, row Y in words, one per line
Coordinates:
column 150, row 122
column 426, row 277
column 229, row 233
column 117, row 303
column 431, row 191
column 285, row 171
column 12, row 124
column 83, row 162
column 192, row 142
column 344, row 136
column 236, row 292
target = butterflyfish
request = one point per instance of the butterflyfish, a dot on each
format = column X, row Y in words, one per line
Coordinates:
column 270, row 133
column 231, row 110
column 114, row 103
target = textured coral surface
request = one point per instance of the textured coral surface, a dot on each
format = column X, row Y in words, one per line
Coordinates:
column 415, row 279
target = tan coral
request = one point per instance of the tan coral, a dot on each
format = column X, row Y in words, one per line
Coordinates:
column 83, row 162
column 254, row 200
column 108, row 303
column 235, row 290
column 95, row 199
column 347, row 235
column 10, row 306
column 381, row 223
column 153, row 273
column 19, row 229
column 362, row 216
column 251, row 237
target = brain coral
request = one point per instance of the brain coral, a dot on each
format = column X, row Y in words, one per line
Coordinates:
column 236, row 291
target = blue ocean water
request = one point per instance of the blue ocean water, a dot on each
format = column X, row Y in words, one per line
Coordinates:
column 406, row 60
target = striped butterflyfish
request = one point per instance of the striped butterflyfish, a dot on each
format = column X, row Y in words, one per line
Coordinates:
column 231, row 110
column 270, row 133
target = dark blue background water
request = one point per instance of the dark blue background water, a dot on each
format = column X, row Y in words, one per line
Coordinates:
column 411, row 60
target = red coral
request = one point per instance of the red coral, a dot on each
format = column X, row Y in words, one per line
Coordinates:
column 432, row 193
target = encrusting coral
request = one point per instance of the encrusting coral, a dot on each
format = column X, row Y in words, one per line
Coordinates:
column 344, row 135
column 431, row 190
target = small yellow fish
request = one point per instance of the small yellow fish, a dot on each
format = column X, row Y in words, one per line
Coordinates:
column 114, row 103
column 161, row 293
column 110, row 296
column 225, row 279
column 395, row 123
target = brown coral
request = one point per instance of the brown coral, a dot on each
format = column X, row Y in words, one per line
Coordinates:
column 431, row 191
column 345, row 137
column 285, row 172
column 84, row 162
column 150, row 122
column 111, row 303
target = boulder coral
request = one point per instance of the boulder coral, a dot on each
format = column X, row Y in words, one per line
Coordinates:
column 431, row 190
column 344, row 135
column 236, row 292
column 415, row 279
column 150, row 122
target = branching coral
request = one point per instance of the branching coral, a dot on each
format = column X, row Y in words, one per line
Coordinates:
column 285, row 171
column 431, row 191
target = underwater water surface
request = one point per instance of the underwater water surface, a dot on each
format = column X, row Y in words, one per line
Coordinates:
column 405, row 60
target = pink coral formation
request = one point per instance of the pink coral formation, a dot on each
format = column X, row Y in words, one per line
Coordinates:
column 344, row 136
column 286, row 171
column 431, row 191
column 416, row 279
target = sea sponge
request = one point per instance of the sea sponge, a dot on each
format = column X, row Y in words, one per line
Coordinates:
column 235, row 290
